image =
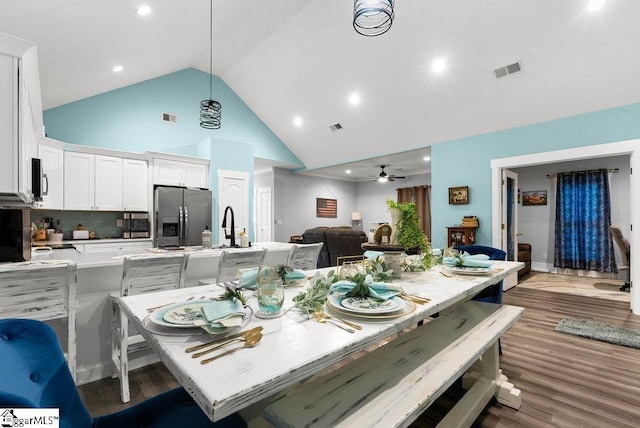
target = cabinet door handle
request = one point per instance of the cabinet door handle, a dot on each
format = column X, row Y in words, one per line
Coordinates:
column 46, row 182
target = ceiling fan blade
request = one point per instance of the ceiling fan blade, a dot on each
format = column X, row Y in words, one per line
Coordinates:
column 397, row 177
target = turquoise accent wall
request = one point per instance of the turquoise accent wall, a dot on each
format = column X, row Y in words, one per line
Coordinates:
column 467, row 161
column 129, row 119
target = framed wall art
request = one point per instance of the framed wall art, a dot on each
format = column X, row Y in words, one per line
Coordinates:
column 326, row 208
column 459, row 195
column 534, row 197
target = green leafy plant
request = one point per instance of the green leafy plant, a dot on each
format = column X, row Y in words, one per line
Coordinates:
column 378, row 271
column 312, row 299
column 360, row 289
column 232, row 293
column 410, row 234
column 282, row 271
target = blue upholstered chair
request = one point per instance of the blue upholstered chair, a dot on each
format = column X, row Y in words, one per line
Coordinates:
column 493, row 293
column 34, row 374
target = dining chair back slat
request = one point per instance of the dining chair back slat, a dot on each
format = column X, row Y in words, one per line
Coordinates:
column 140, row 274
column 304, row 256
column 42, row 292
column 232, row 261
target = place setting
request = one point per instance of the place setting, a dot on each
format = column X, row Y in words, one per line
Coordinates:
column 214, row 316
column 464, row 263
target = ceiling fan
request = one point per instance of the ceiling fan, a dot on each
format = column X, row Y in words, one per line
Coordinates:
column 383, row 177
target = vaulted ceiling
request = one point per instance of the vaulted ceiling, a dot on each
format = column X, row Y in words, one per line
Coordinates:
column 302, row 58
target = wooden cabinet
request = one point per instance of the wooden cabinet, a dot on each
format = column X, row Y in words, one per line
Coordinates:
column 461, row 235
column 180, row 173
column 51, row 154
column 92, row 182
column 135, row 189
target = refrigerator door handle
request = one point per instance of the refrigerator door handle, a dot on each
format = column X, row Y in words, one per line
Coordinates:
column 180, row 226
column 186, row 224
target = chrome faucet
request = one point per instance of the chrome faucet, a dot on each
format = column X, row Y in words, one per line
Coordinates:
column 231, row 235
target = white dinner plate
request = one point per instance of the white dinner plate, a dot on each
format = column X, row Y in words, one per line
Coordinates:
column 461, row 270
column 158, row 316
column 367, row 306
column 407, row 308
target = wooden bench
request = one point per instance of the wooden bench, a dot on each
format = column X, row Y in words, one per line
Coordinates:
column 392, row 385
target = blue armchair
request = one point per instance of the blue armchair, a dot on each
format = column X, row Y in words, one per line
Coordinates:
column 34, row 374
column 493, row 293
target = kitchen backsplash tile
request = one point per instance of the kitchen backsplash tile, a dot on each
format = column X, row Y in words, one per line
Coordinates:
column 103, row 223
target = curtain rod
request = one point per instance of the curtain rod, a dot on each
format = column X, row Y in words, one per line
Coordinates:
column 583, row 172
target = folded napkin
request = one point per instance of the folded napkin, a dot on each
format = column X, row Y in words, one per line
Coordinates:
column 220, row 315
column 436, row 252
column 249, row 278
column 379, row 290
column 372, row 255
column 468, row 260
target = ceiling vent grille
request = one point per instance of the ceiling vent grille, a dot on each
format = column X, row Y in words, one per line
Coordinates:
column 507, row 70
column 169, row 117
column 335, row 127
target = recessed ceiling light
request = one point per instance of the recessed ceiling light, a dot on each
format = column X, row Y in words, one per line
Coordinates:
column 348, row 171
column 595, row 5
column 297, row 121
column 354, row 99
column 117, row 68
column 426, row 158
column 143, row 10
column 439, row 65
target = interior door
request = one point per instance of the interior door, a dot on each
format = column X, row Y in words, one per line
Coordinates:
column 263, row 215
column 233, row 191
column 510, row 214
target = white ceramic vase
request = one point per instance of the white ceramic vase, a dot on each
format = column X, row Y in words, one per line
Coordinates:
column 395, row 227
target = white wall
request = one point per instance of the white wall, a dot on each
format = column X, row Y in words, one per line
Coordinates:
column 295, row 202
column 537, row 223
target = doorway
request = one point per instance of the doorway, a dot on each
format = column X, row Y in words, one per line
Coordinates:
column 263, row 215
column 233, row 191
column 630, row 147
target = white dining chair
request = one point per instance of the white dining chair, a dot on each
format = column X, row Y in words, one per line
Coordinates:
column 42, row 291
column 304, row 256
column 140, row 274
column 232, row 261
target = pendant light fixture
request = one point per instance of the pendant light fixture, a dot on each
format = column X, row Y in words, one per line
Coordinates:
column 210, row 110
column 372, row 17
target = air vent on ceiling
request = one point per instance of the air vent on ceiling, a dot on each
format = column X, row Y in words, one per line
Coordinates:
column 169, row 117
column 507, row 70
column 335, row 127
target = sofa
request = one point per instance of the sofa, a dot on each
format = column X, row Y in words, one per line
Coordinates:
column 338, row 242
column 524, row 255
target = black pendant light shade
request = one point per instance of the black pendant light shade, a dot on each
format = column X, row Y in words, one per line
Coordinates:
column 210, row 114
column 372, row 17
column 210, row 110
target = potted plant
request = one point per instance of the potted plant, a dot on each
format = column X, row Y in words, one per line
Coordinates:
column 409, row 233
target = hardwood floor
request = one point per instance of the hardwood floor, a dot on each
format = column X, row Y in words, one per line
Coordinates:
column 566, row 381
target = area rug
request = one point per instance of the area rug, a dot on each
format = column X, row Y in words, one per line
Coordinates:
column 600, row 331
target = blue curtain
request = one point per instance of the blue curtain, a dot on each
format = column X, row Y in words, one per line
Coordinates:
column 583, row 217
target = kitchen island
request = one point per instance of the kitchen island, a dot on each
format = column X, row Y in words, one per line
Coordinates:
column 99, row 273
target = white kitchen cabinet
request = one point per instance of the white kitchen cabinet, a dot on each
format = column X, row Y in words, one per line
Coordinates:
column 108, row 182
column 20, row 119
column 135, row 185
column 92, row 182
column 180, row 173
column 79, row 181
column 51, row 155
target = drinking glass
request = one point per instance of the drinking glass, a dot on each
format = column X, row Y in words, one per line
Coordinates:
column 270, row 293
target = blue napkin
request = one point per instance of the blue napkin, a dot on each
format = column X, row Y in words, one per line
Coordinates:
column 372, row 255
column 379, row 290
column 468, row 260
column 223, row 313
column 249, row 278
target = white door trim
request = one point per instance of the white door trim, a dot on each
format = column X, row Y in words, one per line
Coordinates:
column 629, row 147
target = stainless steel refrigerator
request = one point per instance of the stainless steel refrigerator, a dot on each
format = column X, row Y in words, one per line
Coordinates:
column 180, row 215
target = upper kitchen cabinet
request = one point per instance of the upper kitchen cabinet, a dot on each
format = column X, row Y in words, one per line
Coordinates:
column 92, row 182
column 51, row 154
column 180, row 171
column 135, row 190
column 20, row 121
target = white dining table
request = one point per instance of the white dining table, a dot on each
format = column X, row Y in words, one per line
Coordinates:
column 294, row 347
